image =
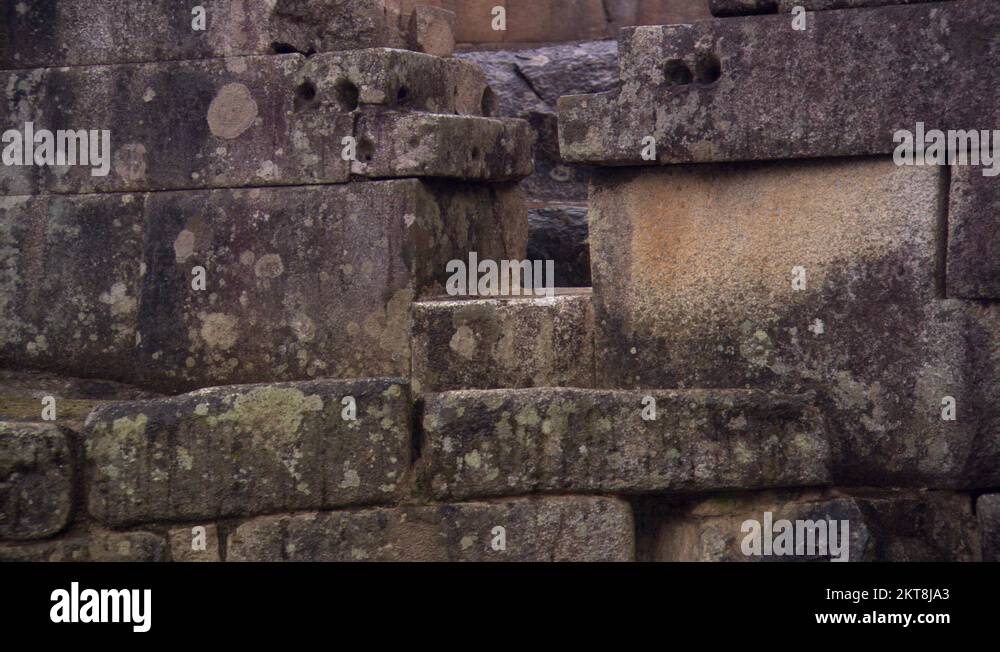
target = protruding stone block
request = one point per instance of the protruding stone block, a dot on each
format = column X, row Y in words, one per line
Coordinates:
column 735, row 89
column 95, row 546
column 872, row 526
column 91, row 32
column 973, row 235
column 195, row 543
column 431, row 30
column 296, row 282
column 504, row 343
column 36, row 480
column 247, row 450
column 431, row 145
column 542, row 529
column 510, row 442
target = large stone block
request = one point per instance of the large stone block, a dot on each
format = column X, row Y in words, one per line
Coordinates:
column 823, row 275
column 248, row 450
column 753, row 88
column 36, row 480
column 542, row 529
column 988, row 511
column 510, row 442
column 299, row 282
column 503, row 343
column 973, row 235
column 880, row 526
column 89, row 32
column 250, row 121
column 95, row 546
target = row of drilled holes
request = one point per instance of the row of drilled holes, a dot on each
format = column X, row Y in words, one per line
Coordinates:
column 707, row 70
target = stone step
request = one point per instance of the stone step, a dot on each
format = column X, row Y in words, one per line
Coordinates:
column 256, row 121
column 486, row 443
column 754, row 88
column 37, row 471
column 248, row 450
column 504, row 342
column 880, row 526
column 542, row 529
column 790, row 275
column 89, row 32
column 299, row 282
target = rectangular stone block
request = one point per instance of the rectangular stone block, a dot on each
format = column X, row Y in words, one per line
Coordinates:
column 430, row 145
column 503, row 343
column 431, row 30
column 89, row 32
column 988, row 511
column 820, row 274
column 751, row 7
column 36, row 480
column 242, row 121
column 248, row 450
column 525, row 529
column 880, row 526
column 194, row 544
column 298, row 282
column 973, row 235
column 735, row 89
column 508, row 442
column 94, row 546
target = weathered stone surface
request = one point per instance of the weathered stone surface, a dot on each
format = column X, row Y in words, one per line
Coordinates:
column 973, row 235
column 300, row 282
column 36, row 480
column 430, row 145
column 503, row 343
column 559, row 232
column 881, row 526
column 431, row 30
column 751, row 7
column 247, row 450
column 988, row 511
column 684, row 298
column 542, row 529
column 196, row 543
column 242, row 121
column 753, row 88
column 98, row 545
column 693, row 287
column 89, row 32
column 510, row 442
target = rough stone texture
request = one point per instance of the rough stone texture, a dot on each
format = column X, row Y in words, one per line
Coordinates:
column 431, row 30
column 244, row 121
column 503, row 343
column 752, row 88
column 36, row 480
column 882, row 526
column 247, row 450
column 301, row 282
column 183, row 540
column 988, row 511
column 546, row 529
column 97, row 546
column 693, row 286
column 89, row 32
column 559, row 232
column 751, row 7
column 510, row 442
column 973, row 235
column 428, row 145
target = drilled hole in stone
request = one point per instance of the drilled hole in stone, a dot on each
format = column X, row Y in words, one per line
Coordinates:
column 402, row 95
column 708, row 68
column 346, row 94
column 488, row 105
column 366, row 150
column 677, row 72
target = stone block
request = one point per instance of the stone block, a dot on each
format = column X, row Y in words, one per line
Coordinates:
column 751, row 7
column 248, row 450
column 503, row 343
column 95, row 546
column 532, row 530
column 36, row 480
column 973, row 235
column 487, row 443
column 431, row 30
column 195, row 543
column 988, row 511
